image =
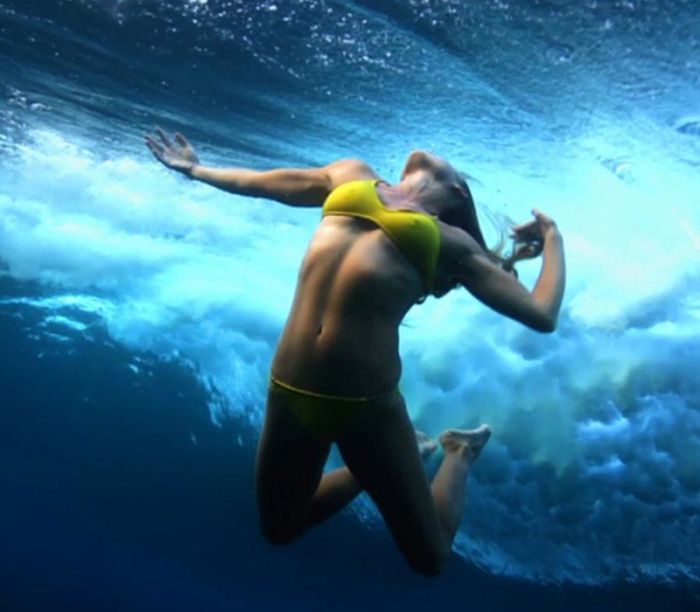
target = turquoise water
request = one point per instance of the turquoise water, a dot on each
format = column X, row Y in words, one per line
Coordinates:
column 140, row 310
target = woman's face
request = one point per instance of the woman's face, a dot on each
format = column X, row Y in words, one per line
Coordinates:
column 449, row 183
column 445, row 190
column 423, row 161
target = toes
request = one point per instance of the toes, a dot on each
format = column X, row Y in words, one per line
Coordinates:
column 475, row 439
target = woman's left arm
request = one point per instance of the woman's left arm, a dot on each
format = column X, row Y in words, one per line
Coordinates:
column 501, row 291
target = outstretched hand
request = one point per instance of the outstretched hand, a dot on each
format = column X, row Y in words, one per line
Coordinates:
column 178, row 155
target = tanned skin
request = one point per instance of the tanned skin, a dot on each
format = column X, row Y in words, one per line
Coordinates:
column 342, row 339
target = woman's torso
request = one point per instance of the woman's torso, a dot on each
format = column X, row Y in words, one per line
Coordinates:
column 354, row 288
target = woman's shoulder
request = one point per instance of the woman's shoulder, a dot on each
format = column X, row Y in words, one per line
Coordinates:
column 347, row 170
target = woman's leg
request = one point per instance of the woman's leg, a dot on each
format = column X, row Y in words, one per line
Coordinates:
column 380, row 450
column 448, row 487
column 339, row 487
column 288, row 468
column 335, row 491
column 293, row 494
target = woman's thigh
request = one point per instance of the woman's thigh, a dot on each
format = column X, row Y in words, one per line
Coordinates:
column 289, row 467
column 380, row 450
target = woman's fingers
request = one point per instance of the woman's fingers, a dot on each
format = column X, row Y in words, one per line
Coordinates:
column 164, row 137
column 527, row 224
column 541, row 217
column 525, row 229
column 529, row 250
column 535, row 248
column 532, row 230
column 182, row 141
column 155, row 147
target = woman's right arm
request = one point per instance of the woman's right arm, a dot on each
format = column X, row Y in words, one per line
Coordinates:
column 292, row 186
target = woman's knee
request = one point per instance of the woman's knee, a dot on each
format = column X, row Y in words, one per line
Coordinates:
column 429, row 561
column 278, row 533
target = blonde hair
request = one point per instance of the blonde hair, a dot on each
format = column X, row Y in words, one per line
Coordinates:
column 497, row 253
column 501, row 222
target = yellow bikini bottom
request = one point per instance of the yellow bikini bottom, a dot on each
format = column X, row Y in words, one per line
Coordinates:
column 327, row 416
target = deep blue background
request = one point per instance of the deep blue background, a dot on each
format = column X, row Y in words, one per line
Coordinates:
column 108, row 504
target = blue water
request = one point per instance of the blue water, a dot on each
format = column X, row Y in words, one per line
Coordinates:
column 139, row 311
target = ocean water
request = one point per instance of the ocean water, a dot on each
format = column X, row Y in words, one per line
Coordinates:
column 139, row 311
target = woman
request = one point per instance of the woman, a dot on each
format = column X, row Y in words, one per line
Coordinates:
column 378, row 250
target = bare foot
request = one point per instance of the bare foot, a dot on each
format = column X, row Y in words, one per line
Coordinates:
column 467, row 441
column 426, row 445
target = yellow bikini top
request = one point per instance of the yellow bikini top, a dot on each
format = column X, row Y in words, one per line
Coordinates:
column 416, row 234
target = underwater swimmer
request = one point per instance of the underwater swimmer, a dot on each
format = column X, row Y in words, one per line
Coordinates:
column 378, row 250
